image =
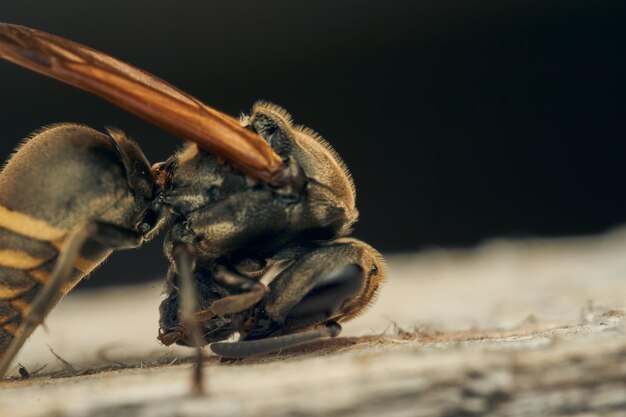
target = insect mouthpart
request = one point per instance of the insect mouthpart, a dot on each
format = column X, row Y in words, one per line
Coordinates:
column 151, row 220
column 159, row 173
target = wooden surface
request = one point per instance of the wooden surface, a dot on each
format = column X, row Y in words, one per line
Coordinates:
column 527, row 328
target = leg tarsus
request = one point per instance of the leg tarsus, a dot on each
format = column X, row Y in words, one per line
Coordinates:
column 273, row 344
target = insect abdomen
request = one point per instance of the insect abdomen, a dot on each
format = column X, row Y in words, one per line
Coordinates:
column 59, row 180
column 28, row 250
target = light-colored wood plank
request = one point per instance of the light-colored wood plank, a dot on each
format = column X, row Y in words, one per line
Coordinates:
column 523, row 328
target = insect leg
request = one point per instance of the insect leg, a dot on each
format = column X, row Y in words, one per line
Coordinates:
column 334, row 281
column 273, row 344
column 52, row 291
column 330, row 283
column 252, row 291
column 184, row 259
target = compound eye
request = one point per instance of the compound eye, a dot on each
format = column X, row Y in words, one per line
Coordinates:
column 269, row 130
column 274, row 133
column 264, row 126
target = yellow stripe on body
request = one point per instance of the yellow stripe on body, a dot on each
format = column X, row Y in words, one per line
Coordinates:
column 19, row 259
column 10, row 316
column 29, row 226
column 10, row 328
column 8, row 293
column 39, row 275
column 84, row 265
column 20, row 305
column 42, row 276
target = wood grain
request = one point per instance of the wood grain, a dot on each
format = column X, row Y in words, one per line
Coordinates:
column 511, row 328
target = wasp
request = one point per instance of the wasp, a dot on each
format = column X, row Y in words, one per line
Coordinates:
column 241, row 199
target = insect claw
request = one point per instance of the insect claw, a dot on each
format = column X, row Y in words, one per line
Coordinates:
column 169, row 338
column 272, row 344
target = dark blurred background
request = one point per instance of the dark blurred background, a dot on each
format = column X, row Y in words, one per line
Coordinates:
column 461, row 121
